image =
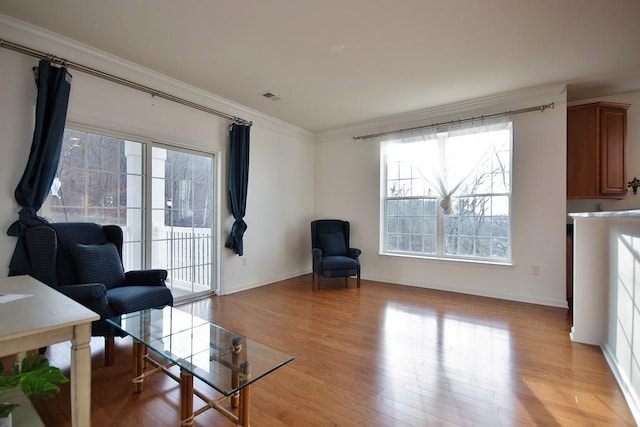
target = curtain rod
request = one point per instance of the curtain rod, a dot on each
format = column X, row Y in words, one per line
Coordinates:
column 540, row 108
column 119, row 80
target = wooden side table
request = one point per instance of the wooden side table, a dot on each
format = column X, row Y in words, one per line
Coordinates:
column 44, row 316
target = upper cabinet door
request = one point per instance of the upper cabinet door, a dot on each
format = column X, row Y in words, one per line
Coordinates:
column 613, row 166
column 596, row 162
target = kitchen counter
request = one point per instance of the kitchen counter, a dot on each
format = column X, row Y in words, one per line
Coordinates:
column 631, row 213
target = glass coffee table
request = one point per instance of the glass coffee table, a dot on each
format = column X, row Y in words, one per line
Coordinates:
column 226, row 361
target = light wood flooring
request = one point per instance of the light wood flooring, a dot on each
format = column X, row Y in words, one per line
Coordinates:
column 381, row 355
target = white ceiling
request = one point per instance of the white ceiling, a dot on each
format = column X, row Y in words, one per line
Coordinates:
column 399, row 56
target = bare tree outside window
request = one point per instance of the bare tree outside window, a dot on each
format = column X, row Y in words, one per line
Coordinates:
column 91, row 180
column 448, row 194
column 188, row 188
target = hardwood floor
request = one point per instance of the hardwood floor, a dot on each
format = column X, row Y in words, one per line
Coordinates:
column 381, row 355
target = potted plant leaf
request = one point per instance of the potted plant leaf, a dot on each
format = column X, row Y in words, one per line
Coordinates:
column 34, row 377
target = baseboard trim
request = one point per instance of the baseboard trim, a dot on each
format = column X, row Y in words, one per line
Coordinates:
column 584, row 338
column 246, row 286
column 633, row 400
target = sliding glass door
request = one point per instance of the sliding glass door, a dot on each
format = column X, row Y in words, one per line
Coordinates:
column 112, row 180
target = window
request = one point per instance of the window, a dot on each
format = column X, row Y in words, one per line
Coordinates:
column 111, row 180
column 448, row 194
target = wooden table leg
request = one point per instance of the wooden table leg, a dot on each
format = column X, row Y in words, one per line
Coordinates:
column 139, row 351
column 81, row 376
column 244, row 409
column 186, row 398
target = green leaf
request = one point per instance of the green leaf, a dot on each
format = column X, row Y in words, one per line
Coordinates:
column 35, row 377
column 42, row 383
column 33, row 363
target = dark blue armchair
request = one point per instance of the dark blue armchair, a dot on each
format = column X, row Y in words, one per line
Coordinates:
column 332, row 256
column 84, row 262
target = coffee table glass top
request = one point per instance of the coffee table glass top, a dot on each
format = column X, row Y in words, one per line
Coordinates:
column 205, row 350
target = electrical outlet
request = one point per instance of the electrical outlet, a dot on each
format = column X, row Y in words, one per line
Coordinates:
column 535, row 270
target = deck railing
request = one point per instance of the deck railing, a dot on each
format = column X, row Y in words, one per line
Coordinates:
column 186, row 254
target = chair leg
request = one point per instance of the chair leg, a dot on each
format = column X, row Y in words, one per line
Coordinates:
column 109, row 351
column 358, row 280
column 346, row 281
column 319, row 281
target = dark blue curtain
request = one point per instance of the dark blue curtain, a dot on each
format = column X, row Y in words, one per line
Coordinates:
column 237, row 183
column 54, row 85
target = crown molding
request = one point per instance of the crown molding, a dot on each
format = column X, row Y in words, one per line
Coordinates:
column 34, row 37
column 507, row 101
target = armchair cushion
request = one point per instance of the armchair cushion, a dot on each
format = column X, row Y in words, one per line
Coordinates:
column 339, row 263
column 127, row 299
column 333, row 244
column 99, row 264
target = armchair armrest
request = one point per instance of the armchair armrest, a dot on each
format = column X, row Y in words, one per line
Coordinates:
column 354, row 252
column 316, row 252
column 153, row 277
column 91, row 295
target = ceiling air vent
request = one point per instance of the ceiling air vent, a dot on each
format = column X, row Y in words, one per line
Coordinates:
column 271, row 96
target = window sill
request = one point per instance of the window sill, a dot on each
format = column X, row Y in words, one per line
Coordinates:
column 505, row 264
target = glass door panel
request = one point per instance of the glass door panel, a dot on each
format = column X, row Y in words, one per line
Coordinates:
column 182, row 219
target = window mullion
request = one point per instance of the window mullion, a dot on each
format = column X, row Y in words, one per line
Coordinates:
column 147, row 209
column 440, row 236
column 87, row 179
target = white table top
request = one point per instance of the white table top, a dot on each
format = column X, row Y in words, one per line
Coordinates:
column 44, row 309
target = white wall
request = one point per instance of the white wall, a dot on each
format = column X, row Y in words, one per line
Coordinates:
column 280, row 194
column 621, row 345
column 633, row 157
column 607, row 300
column 347, row 187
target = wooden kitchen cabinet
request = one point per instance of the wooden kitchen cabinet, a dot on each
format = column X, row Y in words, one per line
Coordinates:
column 596, row 162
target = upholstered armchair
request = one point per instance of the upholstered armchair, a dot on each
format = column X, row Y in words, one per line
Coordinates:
column 332, row 256
column 84, row 262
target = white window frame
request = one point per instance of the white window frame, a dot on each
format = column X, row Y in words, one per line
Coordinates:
column 440, row 244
